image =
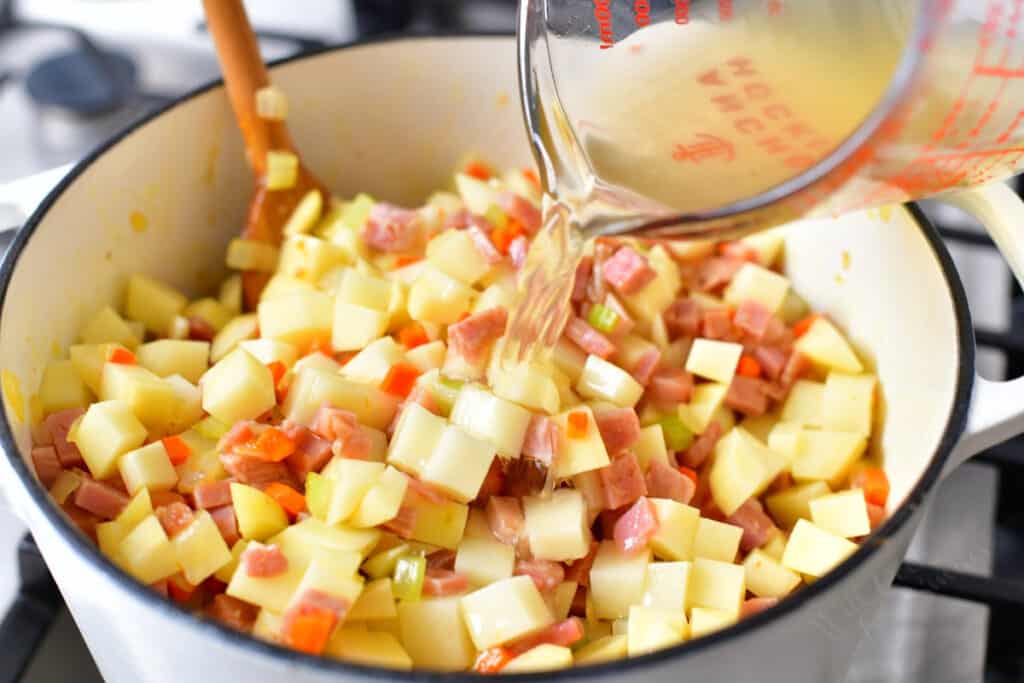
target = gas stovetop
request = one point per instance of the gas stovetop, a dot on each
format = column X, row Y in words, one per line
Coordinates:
column 953, row 615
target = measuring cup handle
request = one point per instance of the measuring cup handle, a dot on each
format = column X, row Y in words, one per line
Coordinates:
column 997, row 408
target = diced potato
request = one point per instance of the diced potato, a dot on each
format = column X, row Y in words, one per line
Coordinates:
column 381, row 501
column 267, row 626
column 606, row 649
column 557, row 525
column 812, row 550
column 269, row 351
column 826, row 345
column 311, row 388
column 847, row 402
column 167, row 357
column 650, row 447
column 428, row 356
column 767, row 578
column 238, row 330
column 498, row 295
column 756, row 283
column 490, row 418
column 109, row 327
column 659, row 293
column 569, row 358
column 153, row 400
column 302, row 541
column 285, row 285
column 677, row 529
column 238, row 387
column 716, row 540
column 454, row 253
column 804, row 405
column 148, row 553
column 65, row 484
column 630, row 348
column 617, row 580
column 377, row 601
column 529, row 384
column 768, row 245
column 421, row 622
column 560, row 599
column 310, row 258
column 438, row 298
column 603, row 381
column 793, row 308
column 259, row 515
column 775, row 547
column 582, row 453
column 828, row 455
column 416, row 438
column 787, row 440
column 230, row 294
column 742, row 468
column 545, row 657
column 352, row 479
column 271, row 593
column 211, row 310
column 718, row 585
column 228, row 570
column 843, row 514
column 62, row 388
column 792, row 504
column 200, row 549
column 361, row 289
column 148, row 468
column 654, row 628
column 106, row 431
column 459, row 463
column 704, row 620
column 706, row 402
column 440, row 524
column 478, row 196
column 484, row 559
column 109, row 535
column 371, row 648
column 503, row 611
column 667, row 586
column 298, row 318
column 714, row 360
column 371, row 365
column 333, row 575
column 320, row 361
column 152, row 303
column 305, row 215
column 356, row 326
column 761, row 426
column 244, row 254
column 88, row 361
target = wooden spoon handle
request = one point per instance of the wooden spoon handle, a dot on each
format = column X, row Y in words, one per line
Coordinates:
column 244, row 74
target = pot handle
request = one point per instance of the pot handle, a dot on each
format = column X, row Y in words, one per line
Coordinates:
column 997, row 408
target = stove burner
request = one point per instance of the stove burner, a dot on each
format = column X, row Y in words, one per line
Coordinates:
column 85, row 82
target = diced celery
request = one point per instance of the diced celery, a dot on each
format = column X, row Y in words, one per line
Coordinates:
column 318, row 495
column 282, row 170
column 211, row 428
column 357, row 211
column 602, row 318
column 407, row 581
column 496, row 217
column 383, row 563
column 677, row 436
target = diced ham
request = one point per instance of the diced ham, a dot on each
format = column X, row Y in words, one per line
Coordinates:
column 747, row 395
column 666, row 482
column 356, row 446
column 702, row 446
column 876, row 515
column 158, row 499
column 484, row 245
column 579, row 571
column 752, row 317
column 200, row 329
column 623, row 481
column 517, row 250
column 582, row 278
column 546, row 574
column 563, row 633
column 493, row 483
column 628, row 270
column 682, row 318
column 646, row 366
column 716, row 324
column 715, row 273
column 100, row 499
column 625, row 323
column 312, row 453
column 619, row 427
column 227, row 523
column 542, row 440
column 240, row 433
column 754, row 605
column 635, row 528
column 772, row 360
column 505, row 518
column 777, row 334
column 233, row 612
column 758, row 528
column 588, row 339
column 472, row 337
column 444, row 582
column 524, row 476
column 404, row 523
column 256, row 472
column 392, row 229
column 174, row 518
column 441, row 559
column 334, row 423
column 58, row 425
column 47, row 464
column 85, row 521
column 212, row 494
column 161, row 587
column 597, row 287
column 520, row 209
column 670, row 385
column 796, row 367
column 264, row 562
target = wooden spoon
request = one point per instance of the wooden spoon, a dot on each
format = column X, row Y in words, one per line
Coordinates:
column 244, row 74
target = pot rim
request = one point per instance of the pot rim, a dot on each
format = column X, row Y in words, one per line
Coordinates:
column 955, row 426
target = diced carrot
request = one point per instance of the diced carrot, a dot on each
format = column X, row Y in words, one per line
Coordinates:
column 748, row 367
column 503, row 237
column 277, row 371
column 309, row 632
column 690, row 474
column 412, row 335
column 177, row 450
column 179, row 589
column 478, row 170
column 492, row 660
column 875, row 484
column 406, row 260
column 273, row 445
column 531, row 175
column 801, row 327
column 291, row 500
column 731, row 312
column 400, row 379
column 121, row 356
column 738, row 250
column 320, row 344
column 577, row 423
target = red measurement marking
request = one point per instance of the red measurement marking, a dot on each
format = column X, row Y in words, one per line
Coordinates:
column 642, row 12
column 725, row 10
column 682, row 12
column 603, row 15
column 708, row 147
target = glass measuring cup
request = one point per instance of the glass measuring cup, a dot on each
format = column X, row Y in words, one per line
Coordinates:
column 670, row 117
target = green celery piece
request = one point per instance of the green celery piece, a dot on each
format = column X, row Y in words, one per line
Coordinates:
column 496, row 217
column 677, row 436
column 318, row 495
column 383, row 563
column 407, row 581
column 602, row 318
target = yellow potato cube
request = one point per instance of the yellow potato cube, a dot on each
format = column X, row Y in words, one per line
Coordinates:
column 155, row 401
column 255, row 255
column 737, row 474
column 148, row 468
column 147, row 552
column 603, row 381
column 828, row 455
column 667, row 586
column 362, row 289
column 617, row 580
column 677, row 529
column 106, row 431
column 569, row 358
column 606, row 649
column 269, row 351
column 843, row 514
column 484, row 559
column 793, row 308
column 756, row 283
column 438, row 298
column 382, row 501
column 454, row 253
column 212, row 311
column 768, row 244
column 579, row 454
column 654, row 628
column 371, row 365
column 704, row 406
column 298, row 318
column 62, row 387
column 428, row 356
column 302, row 541
column 560, row 599
column 792, row 504
column 308, row 258
column 847, row 402
column 787, row 439
column 714, row 360
column 650, row 447
column 267, row 626
column 804, row 405
column 718, row 585
column 814, row 551
column 545, row 657
column 499, row 422
column 421, row 622
column 440, row 524
column 477, row 194
column 336, row 576
column 238, row 330
column 259, row 515
column 108, row 327
column 356, row 326
column 704, row 621
column 416, row 437
column 504, row 611
column 238, row 387
column 761, row 426
column 271, row 593
column 716, row 540
column 459, row 463
column 647, row 303
column 201, row 549
column 557, row 525
column 284, row 285
column 630, row 349
column 312, row 387
column 775, row 547
column 376, row 602
column 767, row 578
column 352, row 479
column 109, row 535
column 167, row 357
column 152, row 303
column 528, row 384
column 370, row 648
column 228, row 570
column 825, row 345
column 88, row 361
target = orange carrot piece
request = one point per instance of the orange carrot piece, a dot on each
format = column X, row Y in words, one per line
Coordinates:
column 503, row 237
column 291, row 500
column 273, row 445
column 478, row 170
column 179, row 589
column 577, row 423
column 177, row 450
column 400, row 379
column 309, row 632
column 277, row 371
column 406, row 260
column 412, row 335
column 690, row 474
column 492, row 660
column 748, row 367
column 875, row 484
column 121, row 357
column 801, row 327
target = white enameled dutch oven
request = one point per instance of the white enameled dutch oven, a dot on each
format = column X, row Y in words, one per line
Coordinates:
column 392, row 118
